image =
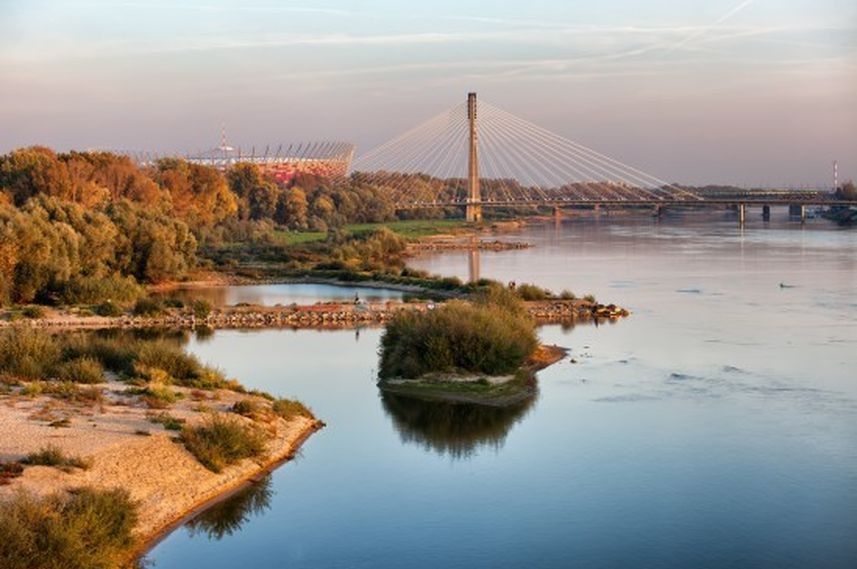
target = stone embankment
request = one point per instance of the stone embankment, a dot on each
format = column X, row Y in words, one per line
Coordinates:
column 323, row 315
column 467, row 245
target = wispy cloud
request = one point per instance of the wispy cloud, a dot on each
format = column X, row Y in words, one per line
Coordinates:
column 706, row 29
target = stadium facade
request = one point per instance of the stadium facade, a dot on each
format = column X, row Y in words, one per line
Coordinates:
column 283, row 163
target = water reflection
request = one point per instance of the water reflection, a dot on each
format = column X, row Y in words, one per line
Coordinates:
column 229, row 516
column 452, row 428
column 474, row 262
column 281, row 294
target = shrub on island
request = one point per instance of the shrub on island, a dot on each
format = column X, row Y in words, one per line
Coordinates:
column 492, row 335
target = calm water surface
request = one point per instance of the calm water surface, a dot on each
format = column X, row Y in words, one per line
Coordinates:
column 285, row 294
column 715, row 427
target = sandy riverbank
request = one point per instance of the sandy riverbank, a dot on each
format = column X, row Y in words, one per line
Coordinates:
column 125, row 449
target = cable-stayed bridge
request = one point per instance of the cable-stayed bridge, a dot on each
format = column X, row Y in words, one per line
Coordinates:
column 478, row 156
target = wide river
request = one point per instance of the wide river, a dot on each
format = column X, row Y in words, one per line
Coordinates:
column 714, row 427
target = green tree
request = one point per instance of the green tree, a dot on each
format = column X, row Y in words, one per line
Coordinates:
column 848, row 191
column 292, row 209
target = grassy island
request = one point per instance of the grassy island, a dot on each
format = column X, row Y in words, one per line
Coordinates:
column 484, row 350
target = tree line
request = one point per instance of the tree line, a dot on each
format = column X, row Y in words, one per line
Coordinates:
column 85, row 226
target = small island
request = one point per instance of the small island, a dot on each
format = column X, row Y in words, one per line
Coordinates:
column 482, row 351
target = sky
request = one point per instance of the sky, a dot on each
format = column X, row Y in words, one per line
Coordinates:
column 748, row 92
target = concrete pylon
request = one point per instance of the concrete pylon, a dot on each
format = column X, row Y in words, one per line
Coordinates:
column 473, row 211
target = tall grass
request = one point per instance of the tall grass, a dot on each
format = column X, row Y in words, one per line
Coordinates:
column 80, row 370
column 33, row 354
column 289, row 409
column 91, row 529
column 222, row 441
column 27, row 352
column 90, row 290
column 54, row 456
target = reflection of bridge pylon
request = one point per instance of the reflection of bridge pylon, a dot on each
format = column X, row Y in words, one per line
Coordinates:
column 474, row 265
column 473, row 210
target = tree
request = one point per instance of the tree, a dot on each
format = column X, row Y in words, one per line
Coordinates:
column 200, row 195
column 292, row 209
column 848, row 191
column 32, row 171
column 262, row 200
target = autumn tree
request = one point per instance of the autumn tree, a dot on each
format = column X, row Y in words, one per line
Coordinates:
column 200, row 195
column 32, row 171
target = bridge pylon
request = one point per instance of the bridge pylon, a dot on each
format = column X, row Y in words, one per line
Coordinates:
column 473, row 210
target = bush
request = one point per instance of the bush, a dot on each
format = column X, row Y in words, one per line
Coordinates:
column 54, row 456
column 222, row 441
column 169, row 422
column 91, row 290
column 65, row 390
column 27, row 352
column 33, row 312
column 81, row 370
column 156, row 396
column 493, row 336
column 148, row 307
column 91, row 529
column 288, row 409
column 246, row 408
column 567, row 295
column 115, row 354
column 109, row 308
column 589, row 298
column 531, row 292
column 201, row 308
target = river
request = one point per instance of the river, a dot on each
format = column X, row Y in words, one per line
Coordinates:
column 714, row 427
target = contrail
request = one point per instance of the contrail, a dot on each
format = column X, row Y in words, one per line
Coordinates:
column 698, row 34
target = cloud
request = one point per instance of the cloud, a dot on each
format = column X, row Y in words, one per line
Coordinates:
column 704, row 30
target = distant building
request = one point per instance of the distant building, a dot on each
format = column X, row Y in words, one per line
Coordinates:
column 283, row 163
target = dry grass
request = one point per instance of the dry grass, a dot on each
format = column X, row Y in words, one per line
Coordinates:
column 91, row 529
column 222, row 441
column 54, row 456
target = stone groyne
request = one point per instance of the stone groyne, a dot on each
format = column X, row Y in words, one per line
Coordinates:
column 322, row 315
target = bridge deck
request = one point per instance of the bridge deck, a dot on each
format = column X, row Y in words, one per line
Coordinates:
column 721, row 202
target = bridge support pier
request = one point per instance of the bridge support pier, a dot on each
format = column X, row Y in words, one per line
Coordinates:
column 798, row 210
column 658, row 211
column 473, row 213
column 742, row 214
column 766, row 212
column 557, row 213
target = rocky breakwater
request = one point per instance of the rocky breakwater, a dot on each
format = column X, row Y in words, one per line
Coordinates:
column 546, row 311
column 321, row 315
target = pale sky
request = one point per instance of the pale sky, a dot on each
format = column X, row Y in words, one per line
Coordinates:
column 717, row 91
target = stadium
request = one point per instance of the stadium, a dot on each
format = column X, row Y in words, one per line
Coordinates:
column 283, row 163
